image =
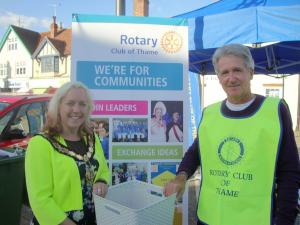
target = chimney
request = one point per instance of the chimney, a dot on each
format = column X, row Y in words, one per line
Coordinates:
column 53, row 27
column 141, row 8
column 60, row 26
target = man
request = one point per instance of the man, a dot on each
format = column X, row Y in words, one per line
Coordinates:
column 247, row 152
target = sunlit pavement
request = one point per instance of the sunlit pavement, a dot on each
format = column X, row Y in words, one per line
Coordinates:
column 26, row 215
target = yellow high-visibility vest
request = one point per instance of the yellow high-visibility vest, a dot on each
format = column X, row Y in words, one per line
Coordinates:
column 238, row 159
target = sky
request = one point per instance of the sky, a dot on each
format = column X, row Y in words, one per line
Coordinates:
column 37, row 14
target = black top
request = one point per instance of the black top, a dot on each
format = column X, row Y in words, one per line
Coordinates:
column 78, row 147
column 87, row 171
column 287, row 176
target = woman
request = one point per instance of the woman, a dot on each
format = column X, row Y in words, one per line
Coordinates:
column 65, row 164
column 158, row 125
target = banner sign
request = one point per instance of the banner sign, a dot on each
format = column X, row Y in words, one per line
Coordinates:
column 136, row 69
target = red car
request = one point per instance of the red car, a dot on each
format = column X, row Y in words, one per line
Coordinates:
column 21, row 117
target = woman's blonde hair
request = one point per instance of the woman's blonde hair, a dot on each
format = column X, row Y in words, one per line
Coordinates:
column 53, row 125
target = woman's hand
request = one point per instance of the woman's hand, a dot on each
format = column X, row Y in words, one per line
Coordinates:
column 67, row 221
column 100, row 189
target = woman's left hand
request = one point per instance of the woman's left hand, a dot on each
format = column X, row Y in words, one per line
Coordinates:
column 100, row 189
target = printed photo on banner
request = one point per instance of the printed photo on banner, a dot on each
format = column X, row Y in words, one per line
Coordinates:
column 163, row 172
column 101, row 128
column 130, row 130
column 122, row 172
column 166, row 123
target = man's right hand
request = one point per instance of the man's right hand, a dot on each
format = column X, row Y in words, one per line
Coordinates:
column 177, row 185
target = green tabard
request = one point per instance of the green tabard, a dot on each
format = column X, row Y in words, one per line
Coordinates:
column 238, row 157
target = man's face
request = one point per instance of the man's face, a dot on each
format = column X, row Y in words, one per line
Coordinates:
column 101, row 130
column 235, row 79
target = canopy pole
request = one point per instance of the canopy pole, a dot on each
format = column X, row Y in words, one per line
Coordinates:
column 120, row 7
column 283, row 87
column 202, row 82
column 298, row 106
column 202, row 90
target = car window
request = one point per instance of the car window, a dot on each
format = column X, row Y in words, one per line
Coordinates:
column 29, row 119
column 45, row 108
column 20, row 122
column 35, row 117
column 3, row 105
column 4, row 120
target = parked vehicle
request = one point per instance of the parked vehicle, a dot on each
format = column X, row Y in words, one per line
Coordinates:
column 21, row 117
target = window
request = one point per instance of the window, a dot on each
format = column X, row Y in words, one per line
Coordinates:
column 30, row 118
column 12, row 44
column 50, row 64
column 3, row 69
column 21, row 68
column 272, row 92
column 5, row 119
column 35, row 117
column 21, row 71
column 20, row 122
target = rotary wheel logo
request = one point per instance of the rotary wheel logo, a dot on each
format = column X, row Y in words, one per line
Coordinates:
column 171, row 42
column 231, row 150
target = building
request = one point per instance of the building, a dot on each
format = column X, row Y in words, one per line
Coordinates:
column 15, row 72
column 32, row 61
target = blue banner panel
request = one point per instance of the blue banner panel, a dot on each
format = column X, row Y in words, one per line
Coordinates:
column 130, row 75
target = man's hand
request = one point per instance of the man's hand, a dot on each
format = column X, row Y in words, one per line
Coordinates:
column 177, row 185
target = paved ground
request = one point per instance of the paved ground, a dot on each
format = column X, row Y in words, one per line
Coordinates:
column 26, row 215
column 297, row 138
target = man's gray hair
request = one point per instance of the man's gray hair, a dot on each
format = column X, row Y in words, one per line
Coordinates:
column 237, row 50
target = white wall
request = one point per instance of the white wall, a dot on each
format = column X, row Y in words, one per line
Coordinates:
column 291, row 96
column 213, row 91
column 20, row 55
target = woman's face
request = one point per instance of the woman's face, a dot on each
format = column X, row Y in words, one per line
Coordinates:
column 158, row 113
column 73, row 110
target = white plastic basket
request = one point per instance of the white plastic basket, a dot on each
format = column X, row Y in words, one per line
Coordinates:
column 134, row 203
